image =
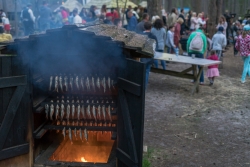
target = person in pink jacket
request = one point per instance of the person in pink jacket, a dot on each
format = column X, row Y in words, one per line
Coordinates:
column 65, row 15
column 212, row 71
column 243, row 46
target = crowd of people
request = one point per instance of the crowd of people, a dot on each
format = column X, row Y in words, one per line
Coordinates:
column 167, row 30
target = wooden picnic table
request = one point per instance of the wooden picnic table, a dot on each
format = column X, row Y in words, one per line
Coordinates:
column 185, row 60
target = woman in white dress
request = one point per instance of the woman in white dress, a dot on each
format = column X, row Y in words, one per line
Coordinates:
column 194, row 22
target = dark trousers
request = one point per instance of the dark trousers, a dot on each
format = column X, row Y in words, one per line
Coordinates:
column 199, row 55
column 28, row 27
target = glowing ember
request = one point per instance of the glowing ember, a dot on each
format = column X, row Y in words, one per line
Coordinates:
column 96, row 150
column 83, row 159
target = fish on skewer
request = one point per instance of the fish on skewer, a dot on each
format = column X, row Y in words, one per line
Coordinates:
column 56, row 84
column 77, row 83
column 82, row 83
column 64, row 133
column 85, row 134
column 62, row 111
column 93, row 83
column 75, row 132
column 83, row 112
column 94, row 112
column 71, row 80
column 73, row 111
column 68, row 112
column 81, row 134
column 50, row 83
column 98, row 85
column 70, row 135
column 109, row 83
column 66, row 83
column 104, row 84
column 88, row 112
column 47, row 111
column 57, row 111
column 52, row 110
column 88, row 84
column 109, row 113
column 104, row 113
column 78, row 112
column 99, row 113
column 61, row 83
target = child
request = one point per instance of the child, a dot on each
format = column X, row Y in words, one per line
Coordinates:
column 212, row 71
column 6, row 24
column 170, row 40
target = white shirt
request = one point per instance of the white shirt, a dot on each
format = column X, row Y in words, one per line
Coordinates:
column 3, row 14
column 136, row 15
column 33, row 18
column 5, row 20
column 77, row 20
column 200, row 22
column 224, row 25
column 194, row 22
column 97, row 12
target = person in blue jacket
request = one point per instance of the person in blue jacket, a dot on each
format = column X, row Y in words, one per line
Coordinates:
column 132, row 21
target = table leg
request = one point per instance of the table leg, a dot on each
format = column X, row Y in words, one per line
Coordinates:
column 195, row 72
column 197, row 82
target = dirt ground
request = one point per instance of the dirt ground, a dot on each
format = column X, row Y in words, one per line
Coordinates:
column 204, row 130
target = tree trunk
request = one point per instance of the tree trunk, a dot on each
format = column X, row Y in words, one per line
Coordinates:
column 212, row 15
column 196, row 6
column 170, row 5
column 214, row 12
column 219, row 9
column 154, row 7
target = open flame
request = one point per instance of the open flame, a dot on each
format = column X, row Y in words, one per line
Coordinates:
column 83, row 159
column 96, row 150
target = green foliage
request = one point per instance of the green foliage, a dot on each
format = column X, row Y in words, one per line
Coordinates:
column 146, row 158
column 145, row 163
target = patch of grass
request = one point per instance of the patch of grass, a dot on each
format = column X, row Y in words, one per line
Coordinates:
column 146, row 158
column 146, row 163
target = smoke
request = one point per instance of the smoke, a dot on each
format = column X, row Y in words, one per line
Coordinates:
column 70, row 51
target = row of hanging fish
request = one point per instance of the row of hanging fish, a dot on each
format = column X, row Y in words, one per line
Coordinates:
column 80, row 83
column 63, row 111
column 85, row 101
column 76, row 133
column 84, row 123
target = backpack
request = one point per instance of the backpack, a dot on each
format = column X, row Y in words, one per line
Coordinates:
column 196, row 43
